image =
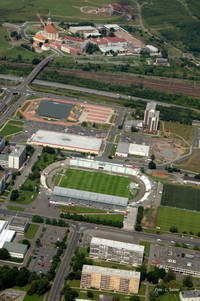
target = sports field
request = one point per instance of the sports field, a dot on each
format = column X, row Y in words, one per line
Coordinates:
column 181, row 196
column 95, row 182
column 12, row 127
column 184, row 220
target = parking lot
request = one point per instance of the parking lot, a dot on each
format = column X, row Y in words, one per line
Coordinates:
column 45, row 251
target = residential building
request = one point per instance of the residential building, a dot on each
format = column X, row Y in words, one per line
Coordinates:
column 16, row 250
column 2, row 143
column 151, row 118
column 3, row 178
column 116, row 251
column 193, row 295
column 180, row 260
column 18, row 224
column 110, row 279
column 17, row 157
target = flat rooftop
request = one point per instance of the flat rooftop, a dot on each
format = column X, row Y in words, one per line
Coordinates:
column 117, row 244
column 151, row 106
column 18, row 150
column 15, row 247
column 54, row 109
column 18, row 222
column 66, row 141
column 108, row 271
column 174, row 257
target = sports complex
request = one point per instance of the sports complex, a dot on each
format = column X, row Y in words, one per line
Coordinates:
column 65, row 112
column 96, row 183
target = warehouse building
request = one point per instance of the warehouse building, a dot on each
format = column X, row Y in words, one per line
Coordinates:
column 124, row 149
column 16, row 250
column 116, row 251
column 190, row 295
column 110, row 279
column 20, row 225
column 180, row 260
column 90, row 196
column 66, row 141
column 17, row 157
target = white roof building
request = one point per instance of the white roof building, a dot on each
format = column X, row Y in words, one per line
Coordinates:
column 124, row 149
column 66, row 141
column 152, row 48
column 6, row 235
column 3, row 225
column 117, row 244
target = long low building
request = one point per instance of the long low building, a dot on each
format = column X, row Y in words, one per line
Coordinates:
column 180, row 260
column 16, row 250
column 90, row 196
column 66, row 141
column 124, row 149
column 116, row 251
column 110, row 279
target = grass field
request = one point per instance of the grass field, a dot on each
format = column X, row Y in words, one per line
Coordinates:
column 11, row 128
column 184, row 220
column 32, row 230
column 79, row 209
column 95, row 182
column 176, row 130
column 169, row 297
column 180, row 196
column 17, row 10
column 192, row 163
column 15, row 208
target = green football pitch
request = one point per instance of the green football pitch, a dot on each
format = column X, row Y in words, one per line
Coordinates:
column 184, row 220
column 95, row 182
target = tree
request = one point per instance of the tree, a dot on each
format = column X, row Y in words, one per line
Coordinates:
column 173, row 229
column 187, row 281
column 153, row 277
column 152, row 165
column 197, row 176
column 14, row 195
column 90, row 294
column 35, row 61
column 91, row 48
column 22, row 277
column 152, row 157
column 37, row 219
column 170, row 276
column 143, row 272
column 26, row 242
column 4, row 254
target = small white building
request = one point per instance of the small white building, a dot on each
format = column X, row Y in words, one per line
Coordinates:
column 152, row 49
column 86, row 31
column 124, row 149
column 17, row 157
column 190, row 295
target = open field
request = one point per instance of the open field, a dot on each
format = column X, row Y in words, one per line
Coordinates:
column 95, row 182
column 68, row 10
column 174, row 21
column 11, row 128
column 169, row 297
column 192, row 163
column 79, row 209
column 178, row 130
column 181, row 196
column 32, row 230
column 15, row 208
column 184, row 220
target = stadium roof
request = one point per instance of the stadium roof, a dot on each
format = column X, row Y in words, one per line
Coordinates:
column 54, row 109
column 117, row 244
column 108, row 271
column 66, row 141
column 90, row 196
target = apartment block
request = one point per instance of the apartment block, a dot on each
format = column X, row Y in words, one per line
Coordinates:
column 17, row 157
column 151, row 118
column 110, row 279
column 116, row 251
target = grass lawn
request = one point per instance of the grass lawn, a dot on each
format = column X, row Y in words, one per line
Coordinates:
column 169, row 297
column 26, row 197
column 176, row 129
column 96, row 182
column 108, row 217
column 33, row 298
column 192, row 163
column 184, row 220
column 15, row 208
column 10, row 129
column 181, row 196
column 17, row 10
column 79, row 209
column 32, row 230
column 112, row 265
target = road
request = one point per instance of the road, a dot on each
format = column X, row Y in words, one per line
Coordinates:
column 64, row 267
